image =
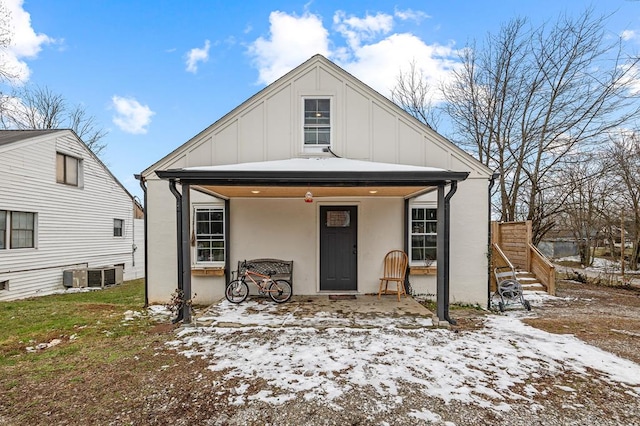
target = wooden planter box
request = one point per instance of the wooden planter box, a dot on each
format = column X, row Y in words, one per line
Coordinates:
column 423, row 270
column 208, row 272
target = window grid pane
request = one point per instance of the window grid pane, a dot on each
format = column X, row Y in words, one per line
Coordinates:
column 22, row 230
column 209, row 228
column 3, row 229
column 317, row 122
column 424, row 228
column 118, row 225
column 71, row 171
column 67, row 169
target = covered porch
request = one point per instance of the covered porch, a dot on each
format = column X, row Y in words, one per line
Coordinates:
column 325, row 178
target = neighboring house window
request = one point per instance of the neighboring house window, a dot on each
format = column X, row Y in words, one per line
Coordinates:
column 209, row 233
column 118, row 226
column 23, row 230
column 424, row 227
column 3, row 229
column 4, row 285
column 67, row 169
column 317, row 122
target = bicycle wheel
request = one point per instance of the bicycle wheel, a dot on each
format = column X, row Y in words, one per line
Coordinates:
column 280, row 291
column 236, row 291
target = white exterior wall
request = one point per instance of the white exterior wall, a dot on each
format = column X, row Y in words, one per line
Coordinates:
column 74, row 225
column 469, row 245
column 365, row 126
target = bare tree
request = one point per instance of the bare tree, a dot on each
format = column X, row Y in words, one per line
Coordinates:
column 6, row 34
column 587, row 202
column 413, row 93
column 35, row 107
column 529, row 96
column 624, row 155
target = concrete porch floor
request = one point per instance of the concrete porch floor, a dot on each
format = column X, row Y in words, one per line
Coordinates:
column 320, row 311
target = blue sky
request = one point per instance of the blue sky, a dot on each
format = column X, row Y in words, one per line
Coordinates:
column 155, row 73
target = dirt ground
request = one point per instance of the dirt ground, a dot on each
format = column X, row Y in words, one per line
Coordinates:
column 157, row 386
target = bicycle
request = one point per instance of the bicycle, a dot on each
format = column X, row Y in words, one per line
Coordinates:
column 237, row 290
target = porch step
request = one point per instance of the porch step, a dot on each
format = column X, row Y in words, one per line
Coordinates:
column 529, row 281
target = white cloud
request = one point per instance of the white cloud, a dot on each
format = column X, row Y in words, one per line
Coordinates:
column 355, row 30
column 25, row 42
column 379, row 64
column 366, row 47
column 628, row 35
column 196, row 55
column 131, row 116
column 293, row 39
column 411, row 15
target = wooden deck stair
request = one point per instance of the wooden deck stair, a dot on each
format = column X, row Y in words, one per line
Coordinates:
column 512, row 248
column 529, row 281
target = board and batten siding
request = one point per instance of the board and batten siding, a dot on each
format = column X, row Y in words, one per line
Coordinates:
column 365, row 126
column 74, row 225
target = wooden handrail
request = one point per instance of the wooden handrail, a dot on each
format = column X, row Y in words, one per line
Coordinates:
column 543, row 269
column 504, row 258
column 505, row 261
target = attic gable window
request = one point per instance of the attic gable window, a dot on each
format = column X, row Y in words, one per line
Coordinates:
column 317, row 122
column 67, row 169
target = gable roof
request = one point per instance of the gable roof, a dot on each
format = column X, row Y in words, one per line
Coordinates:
column 8, row 137
column 311, row 62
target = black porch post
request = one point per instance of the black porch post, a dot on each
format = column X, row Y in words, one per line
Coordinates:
column 443, row 243
column 186, row 253
column 443, row 268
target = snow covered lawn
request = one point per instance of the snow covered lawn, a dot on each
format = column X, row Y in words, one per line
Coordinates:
column 493, row 367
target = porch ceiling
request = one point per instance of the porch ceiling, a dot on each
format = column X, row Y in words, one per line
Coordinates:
column 317, row 191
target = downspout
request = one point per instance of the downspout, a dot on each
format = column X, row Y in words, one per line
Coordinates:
column 174, row 191
column 141, row 179
column 492, row 182
column 444, row 241
column 186, row 253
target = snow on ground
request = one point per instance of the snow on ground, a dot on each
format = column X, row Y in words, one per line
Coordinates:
column 322, row 360
column 600, row 265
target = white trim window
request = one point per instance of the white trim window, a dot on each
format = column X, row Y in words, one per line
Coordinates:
column 423, row 235
column 317, row 122
column 209, row 234
column 67, row 169
column 3, row 229
column 23, row 230
column 118, row 227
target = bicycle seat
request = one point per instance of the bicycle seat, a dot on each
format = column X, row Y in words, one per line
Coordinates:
column 271, row 272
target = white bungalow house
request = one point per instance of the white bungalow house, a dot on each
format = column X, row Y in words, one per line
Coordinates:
column 379, row 180
column 62, row 210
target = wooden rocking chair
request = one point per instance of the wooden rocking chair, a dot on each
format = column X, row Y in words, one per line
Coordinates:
column 395, row 270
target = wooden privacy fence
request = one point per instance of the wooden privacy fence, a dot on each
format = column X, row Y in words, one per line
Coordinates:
column 511, row 246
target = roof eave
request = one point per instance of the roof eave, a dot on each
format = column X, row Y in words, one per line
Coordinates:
column 317, row 178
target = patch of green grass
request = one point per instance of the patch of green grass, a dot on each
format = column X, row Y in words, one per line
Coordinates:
column 77, row 319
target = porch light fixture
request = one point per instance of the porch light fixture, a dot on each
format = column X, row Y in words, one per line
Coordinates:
column 373, row 191
column 308, row 197
column 255, row 191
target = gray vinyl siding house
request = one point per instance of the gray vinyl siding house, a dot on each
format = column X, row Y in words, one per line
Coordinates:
column 379, row 179
column 60, row 209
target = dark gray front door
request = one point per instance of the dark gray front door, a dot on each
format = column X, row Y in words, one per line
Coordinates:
column 339, row 248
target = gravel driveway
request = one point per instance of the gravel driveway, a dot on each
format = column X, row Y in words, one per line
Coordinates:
column 491, row 369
